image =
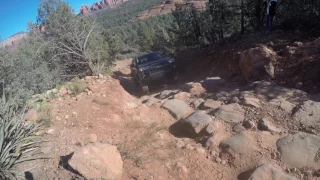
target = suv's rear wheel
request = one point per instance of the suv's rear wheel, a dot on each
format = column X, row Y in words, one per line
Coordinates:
column 145, row 89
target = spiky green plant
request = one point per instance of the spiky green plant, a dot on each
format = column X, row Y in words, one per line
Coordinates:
column 17, row 141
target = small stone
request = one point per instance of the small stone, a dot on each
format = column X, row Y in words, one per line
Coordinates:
column 190, row 147
column 249, row 124
column 66, row 116
column 74, row 114
column 50, row 131
column 201, row 150
column 218, row 160
column 273, row 155
column 238, row 128
column 100, row 76
column 70, row 92
column 63, row 91
column 93, row 138
column 224, row 162
column 298, row 44
column 182, row 167
column 180, row 144
column 266, row 125
column 235, row 100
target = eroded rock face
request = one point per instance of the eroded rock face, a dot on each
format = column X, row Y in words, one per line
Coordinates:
column 258, row 62
column 300, row 150
column 97, row 161
column 104, row 4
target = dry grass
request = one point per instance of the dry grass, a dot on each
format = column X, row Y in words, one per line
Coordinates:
column 44, row 110
column 77, row 86
column 146, row 146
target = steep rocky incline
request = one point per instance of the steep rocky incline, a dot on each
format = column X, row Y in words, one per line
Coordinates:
column 98, row 6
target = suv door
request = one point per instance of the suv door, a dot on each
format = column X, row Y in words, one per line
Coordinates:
column 133, row 68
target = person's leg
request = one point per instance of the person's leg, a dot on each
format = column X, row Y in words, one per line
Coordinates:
column 271, row 23
column 267, row 23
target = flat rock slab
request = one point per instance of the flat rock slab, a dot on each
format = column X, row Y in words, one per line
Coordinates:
column 213, row 83
column 177, row 108
column 283, row 105
column 265, row 124
column 300, row 150
column 272, row 92
column 237, row 144
column 197, row 102
column 253, row 102
column 151, row 101
column 197, row 121
column 97, row 161
column 232, row 113
column 166, row 93
column 211, row 104
column 268, row 172
column 308, row 114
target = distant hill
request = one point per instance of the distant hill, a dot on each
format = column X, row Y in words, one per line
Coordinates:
column 12, row 41
column 165, row 8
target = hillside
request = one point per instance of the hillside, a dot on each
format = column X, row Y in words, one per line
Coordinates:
column 166, row 8
column 244, row 102
column 99, row 6
column 202, row 127
column 12, row 41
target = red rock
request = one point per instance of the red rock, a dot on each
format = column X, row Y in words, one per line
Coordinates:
column 32, row 115
column 63, row 91
column 98, row 6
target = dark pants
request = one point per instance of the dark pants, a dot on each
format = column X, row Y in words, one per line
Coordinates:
column 269, row 23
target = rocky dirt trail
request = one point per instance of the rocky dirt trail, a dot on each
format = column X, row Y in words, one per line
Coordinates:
column 199, row 128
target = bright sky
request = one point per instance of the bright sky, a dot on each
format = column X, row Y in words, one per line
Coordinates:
column 15, row 14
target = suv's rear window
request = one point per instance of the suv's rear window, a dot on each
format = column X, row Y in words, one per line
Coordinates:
column 149, row 58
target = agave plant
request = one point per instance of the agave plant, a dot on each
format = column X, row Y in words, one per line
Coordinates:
column 17, row 141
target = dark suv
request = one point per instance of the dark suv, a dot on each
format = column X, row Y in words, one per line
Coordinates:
column 152, row 66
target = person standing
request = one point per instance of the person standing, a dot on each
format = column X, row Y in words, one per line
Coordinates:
column 271, row 12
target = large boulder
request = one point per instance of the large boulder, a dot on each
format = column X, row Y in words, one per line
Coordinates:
column 308, row 114
column 177, row 108
column 97, row 161
column 300, row 150
column 194, row 88
column 232, row 113
column 213, row 83
column 197, row 121
column 268, row 172
column 269, row 92
column 258, row 62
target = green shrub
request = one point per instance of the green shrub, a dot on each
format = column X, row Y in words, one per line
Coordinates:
column 17, row 141
column 77, row 86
